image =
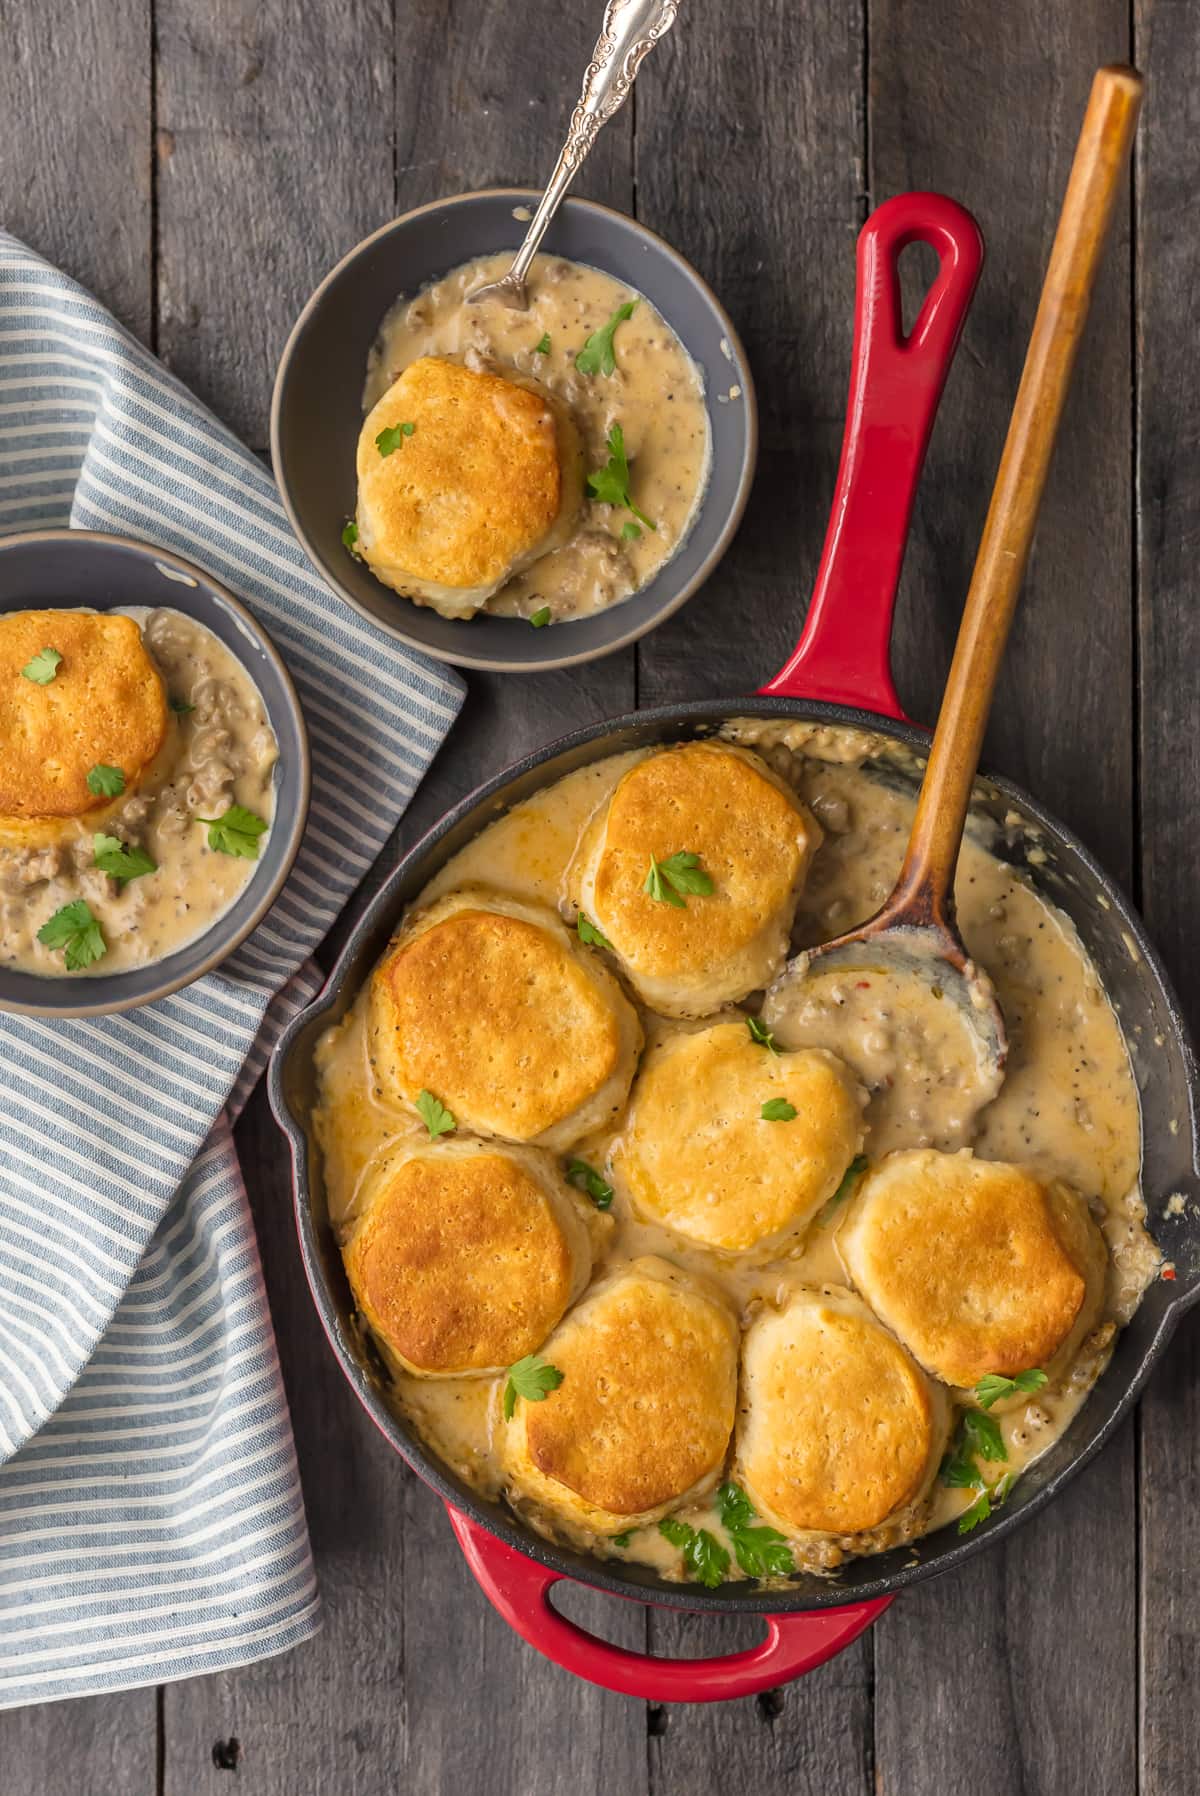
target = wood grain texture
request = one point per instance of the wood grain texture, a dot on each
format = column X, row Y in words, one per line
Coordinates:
column 1013, row 1651
column 75, row 143
column 97, row 1746
column 1168, row 473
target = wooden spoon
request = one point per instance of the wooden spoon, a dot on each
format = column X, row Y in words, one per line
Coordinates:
column 915, row 934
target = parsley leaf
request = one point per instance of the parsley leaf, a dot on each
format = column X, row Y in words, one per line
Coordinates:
column 236, row 832
column 993, row 1385
column 631, row 532
column 588, row 933
column 990, row 1497
column 598, row 355
column 761, row 1034
column 532, row 1378
column 77, row 933
column 609, row 485
column 621, row 1540
column 541, row 617
column 350, row 538
column 180, row 706
column 119, row 860
column 106, row 782
column 586, row 1178
column 390, row 440
column 677, row 878
column 778, row 1110
column 981, row 1435
column 543, row 348
column 434, row 1114
column 761, row 1551
column 704, row 1558
column 850, row 1179
column 42, row 669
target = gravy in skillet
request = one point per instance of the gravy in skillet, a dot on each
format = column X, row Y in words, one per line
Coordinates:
column 1068, row 1111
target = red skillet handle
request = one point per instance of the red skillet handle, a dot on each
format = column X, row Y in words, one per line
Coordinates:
column 895, row 385
column 519, row 1590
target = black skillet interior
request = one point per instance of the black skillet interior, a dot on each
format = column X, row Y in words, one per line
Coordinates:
column 1162, row 1058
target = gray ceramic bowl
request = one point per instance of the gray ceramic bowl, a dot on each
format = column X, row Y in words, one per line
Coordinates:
column 44, row 569
column 317, row 415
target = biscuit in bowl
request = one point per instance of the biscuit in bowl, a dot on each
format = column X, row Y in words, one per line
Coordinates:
column 752, row 839
column 840, row 1432
column 978, row 1266
column 101, row 703
column 464, row 1255
column 698, row 1155
column 491, row 1005
column 465, row 477
column 642, row 1418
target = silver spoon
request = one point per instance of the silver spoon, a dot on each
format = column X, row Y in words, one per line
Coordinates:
column 631, row 29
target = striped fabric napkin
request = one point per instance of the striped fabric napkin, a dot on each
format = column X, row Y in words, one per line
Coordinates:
column 151, row 1521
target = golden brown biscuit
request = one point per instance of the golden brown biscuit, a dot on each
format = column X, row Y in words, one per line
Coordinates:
column 464, row 1256
column 488, row 478
column 976, row 1265
column 754, row 840
column 644, row 1412
column 840, row 1430
column 697, row 1154
column 493, row 1007
column 105, row 706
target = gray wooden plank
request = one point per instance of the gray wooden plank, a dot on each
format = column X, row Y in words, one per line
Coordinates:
column 379, row 1695
column 274, row 156
column 1027, row 1663
column 93, row 1746
column 75, row 156
column 749, row 145
column 1168, row 47
column 75, row 147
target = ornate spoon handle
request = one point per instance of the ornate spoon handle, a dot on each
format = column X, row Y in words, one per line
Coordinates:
column 631, row 29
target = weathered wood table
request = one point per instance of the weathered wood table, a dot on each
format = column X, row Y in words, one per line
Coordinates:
column 200, row 164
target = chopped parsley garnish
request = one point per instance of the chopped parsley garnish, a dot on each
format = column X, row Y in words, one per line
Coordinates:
column 543, row 348
column 119, row 859
column 704, row 1558
column 982, row 1435
column 850, row 1178
column 990, row 1497
column 778, row 1110
column 541, row 617
column 532, row 1378
column 621, row 1540
column 77, row 933
column 106, row 782
column 42, row 669
column 588, row 933
column 434, row 1114
column 979, row 1437
column 677, row 879
column 390, row 440
column 631, row 532
column 586, row 1178
column 993, row 1385
column 236, row 832
column 598, row 356
column 761, row 1034
column 609, row 485
column 350, row 538
column 180, row 706
column 762, row 1552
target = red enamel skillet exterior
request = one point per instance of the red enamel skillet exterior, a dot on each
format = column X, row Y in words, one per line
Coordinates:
column 840, row 672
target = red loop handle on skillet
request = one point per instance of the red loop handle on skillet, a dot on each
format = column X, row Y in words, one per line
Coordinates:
column 519, row 1589
column 895, row 384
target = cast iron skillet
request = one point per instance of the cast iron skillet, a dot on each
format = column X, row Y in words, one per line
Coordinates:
column 840, row 675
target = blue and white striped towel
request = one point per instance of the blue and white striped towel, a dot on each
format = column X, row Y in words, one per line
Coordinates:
column 151, row 1521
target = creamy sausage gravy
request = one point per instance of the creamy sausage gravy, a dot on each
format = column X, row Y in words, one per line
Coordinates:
column 220, row 750
column 656, row 395
column 1068, row 1105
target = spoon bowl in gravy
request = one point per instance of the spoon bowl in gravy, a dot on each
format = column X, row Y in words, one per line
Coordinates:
column 662, row 497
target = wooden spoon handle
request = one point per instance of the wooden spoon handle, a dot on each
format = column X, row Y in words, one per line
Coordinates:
column 926, row 879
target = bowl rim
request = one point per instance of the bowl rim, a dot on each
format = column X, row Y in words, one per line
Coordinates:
column 272, row 888
column 738, row 361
